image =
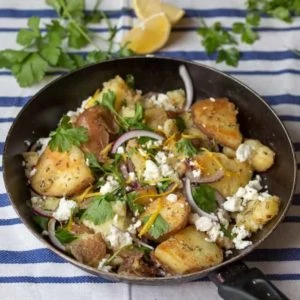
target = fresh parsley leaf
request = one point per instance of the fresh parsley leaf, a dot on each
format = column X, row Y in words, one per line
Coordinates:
column 50, row 53
column 180, row 124
column 108, row 100
column 163, row 185
column 130, row 81
column 75, row 37
column 99, row 211
column 10, row 57
column 158, row 228
column 26, row 37
column 231, row 56
column 186, row 147
column 41, row 221
column 92, row 161
column 248, row 35
column 227, row 232
column 65, row 136
column 97, row 56
column 65, row 236
column 205, row 198
column 253, row 19
column 132, row 204
column 136, row 121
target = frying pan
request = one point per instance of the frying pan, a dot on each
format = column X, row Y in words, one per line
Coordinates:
column 257, row 120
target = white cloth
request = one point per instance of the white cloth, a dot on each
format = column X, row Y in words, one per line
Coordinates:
column 28, row 271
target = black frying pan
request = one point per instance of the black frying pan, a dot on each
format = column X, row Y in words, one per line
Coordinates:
column 42, row 113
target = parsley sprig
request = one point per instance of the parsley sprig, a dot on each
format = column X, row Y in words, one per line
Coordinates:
column 42, row 52
column 65, row 136
column 186, row 147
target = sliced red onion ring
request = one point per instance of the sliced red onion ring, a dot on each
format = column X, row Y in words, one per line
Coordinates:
column 42, row 212
column 52, row 237
column 132, row 135
column 190, row 198
column 207, row 179
column 183, row 72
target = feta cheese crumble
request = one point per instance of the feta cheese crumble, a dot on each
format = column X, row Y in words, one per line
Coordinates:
column 241, row 234
column 172, row 198
column 118, row 238
column 110, row 185
column 64, row 210
column 151, row 172
column 163, row 101
column 196, row 173
column 120, row 150
column 204, row 223
column 133, row 227
column 243, row 152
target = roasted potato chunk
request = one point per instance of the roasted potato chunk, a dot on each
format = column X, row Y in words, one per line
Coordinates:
column 236, row 174
column 218, row 120
column 258, row 213
column 155, row 117
column 262, row 157
column 187, row 251
column 61, row 173
column 88, row 249
column 174, row 213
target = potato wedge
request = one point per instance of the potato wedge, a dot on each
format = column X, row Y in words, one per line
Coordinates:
column 187, row 251
column 236, row 174
column 174, row 213
column 258, row 213
column 61, row 173
column 155, row 117
column 218, row 120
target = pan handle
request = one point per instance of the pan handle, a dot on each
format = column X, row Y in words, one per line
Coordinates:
column 237, row 282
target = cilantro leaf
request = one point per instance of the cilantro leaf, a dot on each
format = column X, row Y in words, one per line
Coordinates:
column 281, row 13
column 42, row 222
column 65, row 136
column 130, row 81
column 108, row 100
column 50, row 53
column 180, row 124
column 132, row 204
column 158, row 228
column 99, row 211
column 205, row 198
column 186, row 147
column 92, row 161
column 97, row 56
column 65, row 236
column 75, row 38
column 9, row 57
column 248, row 35
column 253, row 19
column 26, row 37
column 231, row 56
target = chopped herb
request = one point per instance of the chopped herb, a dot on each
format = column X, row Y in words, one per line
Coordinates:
column 130, row 81
column 65, row 236
column 186, row 147
column 205, row 198
column 227, row 232
column 41, row 221
column 180, row 124
column 132, row 204
column 163, row 185
column 144, row 140
column 66, row 136
column 158, row 228
column 100, row 210
column 230, row 56
column 92, row 161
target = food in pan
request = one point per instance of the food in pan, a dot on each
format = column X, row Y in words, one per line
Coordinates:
column 150, row 184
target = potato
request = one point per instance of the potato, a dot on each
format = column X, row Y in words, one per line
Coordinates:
column 217, row 119
column 187, row 251
column 177, row 98
column 236, row 174
column 262, row 157
column 174, row 213
column 229, row 152
column 88, row 249
column 155, row 117
column 61, row 174
column 258, row 213
column 170, row 127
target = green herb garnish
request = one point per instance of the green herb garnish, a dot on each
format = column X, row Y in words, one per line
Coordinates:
column 205, row 198
column 42, row 222
column 65, row 136
column 65, row 236
column 158, row 228
column 130, row 81
column 186, row 147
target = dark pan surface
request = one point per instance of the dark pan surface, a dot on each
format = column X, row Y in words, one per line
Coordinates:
column 42, row 113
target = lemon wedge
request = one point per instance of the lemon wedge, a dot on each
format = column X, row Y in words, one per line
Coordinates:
column 150, row 35
column 144, row 9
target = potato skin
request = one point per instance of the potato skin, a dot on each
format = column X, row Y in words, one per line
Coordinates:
column 262, row 157
column 174, row 213
column 217, row 119
column 187, row 251
column 236, row 174
column 61, row 174
column 258, row 213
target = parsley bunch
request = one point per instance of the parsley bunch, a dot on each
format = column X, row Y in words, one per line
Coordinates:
column 43, row 51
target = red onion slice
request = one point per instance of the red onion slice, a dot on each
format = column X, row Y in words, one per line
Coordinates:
column 132, row 135
column 42, row 212
column 195, row 207
column 208, row 179
column 52, row 237
column 183, row 72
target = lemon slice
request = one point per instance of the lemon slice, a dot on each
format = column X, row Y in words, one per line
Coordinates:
column 174, row 14
column 144, row 9
column 150, row 35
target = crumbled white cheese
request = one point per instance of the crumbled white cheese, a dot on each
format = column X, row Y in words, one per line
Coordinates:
column 157, row 143
column 163, row 101
column 161, row 157
column 241, row 233
column 196, row 173
column 118, row 238
column 228, row 253
column 104, row 267
column 44, row 143
column 131, row 176
column 120, row 150
column 64, row 210
column 233, row 204
column 133, row 227
column 167, row 171
column 32, row 172
column 223, row 217
column 243, row 152
column 110, row 185
column 151, row 172
column 149, row 144
column 215, row 232
column 172, row 198
column 142, row 152
column 204, row 223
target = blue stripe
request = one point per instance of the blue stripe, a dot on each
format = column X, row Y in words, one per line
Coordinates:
column 4, row 200
column 1, row 147
column 8, row 222
column 13, row 101
column 288, row 254
column 49, row 279
column 6, row 120
column 289, row 118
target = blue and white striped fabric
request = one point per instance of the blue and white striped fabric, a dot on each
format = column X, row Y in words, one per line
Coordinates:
column 29, row 271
